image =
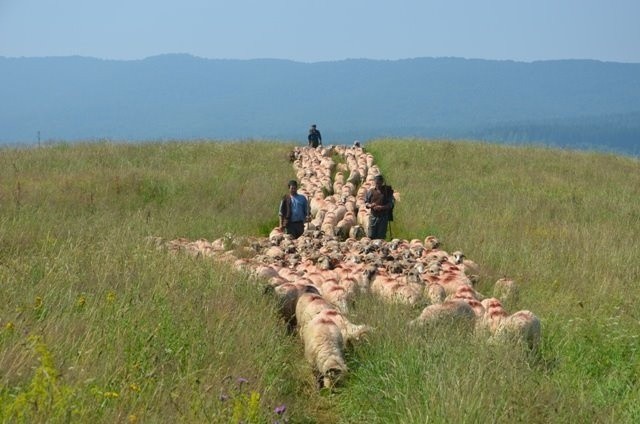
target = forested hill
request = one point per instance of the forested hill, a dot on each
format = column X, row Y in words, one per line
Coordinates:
column 574, row 103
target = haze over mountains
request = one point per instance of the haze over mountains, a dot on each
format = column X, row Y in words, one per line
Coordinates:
column 571, row 103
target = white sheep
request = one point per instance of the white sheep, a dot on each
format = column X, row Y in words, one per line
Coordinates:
column 521, row 327
column 324, row 350
column 449, row 311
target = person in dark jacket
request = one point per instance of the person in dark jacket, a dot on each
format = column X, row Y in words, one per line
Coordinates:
column 379, row 200
column 314, row 137
column 294, row 211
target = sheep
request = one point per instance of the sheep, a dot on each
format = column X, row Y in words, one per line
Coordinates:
column 521, row 327
column 324, row 350
column 494, row 313
column 451, row 311
column 357, row 232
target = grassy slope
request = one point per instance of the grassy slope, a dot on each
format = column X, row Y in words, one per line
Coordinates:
column 135, row 334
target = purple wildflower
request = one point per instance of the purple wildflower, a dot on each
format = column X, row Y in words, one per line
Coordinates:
column 280, row 409
column 242, row 380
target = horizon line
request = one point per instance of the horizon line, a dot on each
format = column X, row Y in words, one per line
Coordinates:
column 311, row 62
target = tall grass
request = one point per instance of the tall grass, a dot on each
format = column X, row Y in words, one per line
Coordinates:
column 98, row 325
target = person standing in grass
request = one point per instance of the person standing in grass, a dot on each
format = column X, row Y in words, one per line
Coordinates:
column 379, row 200
column 314, row 137
column 294, row 211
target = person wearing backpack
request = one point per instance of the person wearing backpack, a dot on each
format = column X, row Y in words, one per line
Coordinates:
column 294, row 211
column 380, row 202
column 314, row 137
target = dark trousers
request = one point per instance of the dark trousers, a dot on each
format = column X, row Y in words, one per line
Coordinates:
column 295, row 229
column 378, row 227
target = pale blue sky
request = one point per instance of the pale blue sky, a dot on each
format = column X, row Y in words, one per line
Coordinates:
column 312, row 31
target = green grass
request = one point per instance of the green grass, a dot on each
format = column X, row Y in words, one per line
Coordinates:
column 97, row 325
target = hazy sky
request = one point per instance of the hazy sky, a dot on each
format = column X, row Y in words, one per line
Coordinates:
column 312, row 31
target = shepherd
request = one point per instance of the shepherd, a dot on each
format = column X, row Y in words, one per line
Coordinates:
column 294, row 211
column 379, row 200
column 314, row 137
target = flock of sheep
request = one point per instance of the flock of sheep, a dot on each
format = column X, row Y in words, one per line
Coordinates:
column 316, row 277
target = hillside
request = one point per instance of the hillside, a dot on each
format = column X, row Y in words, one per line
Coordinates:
column 573, row 102
column 98, row 325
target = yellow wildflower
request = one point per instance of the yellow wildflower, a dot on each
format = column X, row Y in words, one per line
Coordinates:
column 80, row 301
column 111, row 296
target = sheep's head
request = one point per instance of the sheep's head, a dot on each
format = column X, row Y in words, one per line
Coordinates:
column 434, row 269
column 331, row 377
column 288, row 246
column 432, row 242
column 458, row 257
column 324, row 262
column 394, row 244
column 395, row 267
column 357, row 232
column 417, row 250
column 276, row 237
column 413, row 276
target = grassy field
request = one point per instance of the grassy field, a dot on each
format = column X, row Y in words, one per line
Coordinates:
column 96, row 325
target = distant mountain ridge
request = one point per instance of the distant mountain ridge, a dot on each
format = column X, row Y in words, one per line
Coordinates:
column 568, row 102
